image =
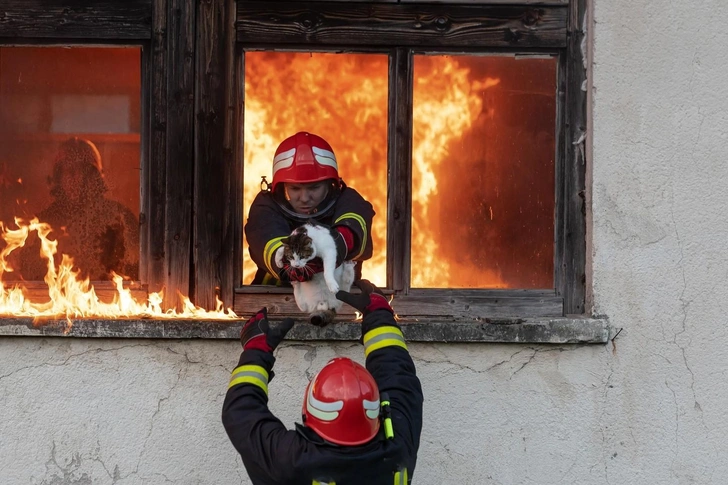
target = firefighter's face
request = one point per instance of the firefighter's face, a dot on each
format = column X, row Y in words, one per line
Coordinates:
column 306, row 197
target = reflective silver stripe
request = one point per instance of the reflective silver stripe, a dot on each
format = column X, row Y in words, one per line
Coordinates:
column 250, row 374
column 260, row 376
column 316, row 482
column 384, row 336
column 383, row 340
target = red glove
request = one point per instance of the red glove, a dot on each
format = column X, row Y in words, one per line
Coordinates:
column 370, row 299
column 306, row 273
column 258, row 334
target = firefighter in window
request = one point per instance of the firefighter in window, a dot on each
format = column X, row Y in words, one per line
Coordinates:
column 100, row 234
column 306, row 187
column 361, row 426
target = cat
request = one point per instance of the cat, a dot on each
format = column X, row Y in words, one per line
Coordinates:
column 318, row 295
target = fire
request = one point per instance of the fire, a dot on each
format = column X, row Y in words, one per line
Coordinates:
column 438, row 120
column 391, row 299
column 358, row 316
column 343, row 97
column 325, row 94
column 72, row 297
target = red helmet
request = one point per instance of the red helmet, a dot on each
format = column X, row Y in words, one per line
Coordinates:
column 304, row 158
column 342, row 403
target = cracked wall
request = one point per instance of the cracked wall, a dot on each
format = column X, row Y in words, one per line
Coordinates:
column 647, row 408
column 94, row 411
column 660, row 98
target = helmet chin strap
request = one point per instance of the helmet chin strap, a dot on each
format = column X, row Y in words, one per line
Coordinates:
column 316, row 213
column 322, row 210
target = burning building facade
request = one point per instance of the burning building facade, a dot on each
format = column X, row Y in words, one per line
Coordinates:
column 465, row 124
column 461, row 124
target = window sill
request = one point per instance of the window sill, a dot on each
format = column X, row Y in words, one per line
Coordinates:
column 561, row 330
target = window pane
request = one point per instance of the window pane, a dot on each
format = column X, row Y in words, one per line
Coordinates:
column 483, row 172
column 70, row 155
column 340, row 97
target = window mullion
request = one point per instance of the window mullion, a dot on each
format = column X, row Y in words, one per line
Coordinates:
column 571, row 283
column 399, row 154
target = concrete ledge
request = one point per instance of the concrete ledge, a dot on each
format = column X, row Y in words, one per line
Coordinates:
column 533, row 330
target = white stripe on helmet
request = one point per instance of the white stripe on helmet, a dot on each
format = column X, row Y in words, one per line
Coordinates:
column 371, row 408
column 325, row 411
column 325, row 157
column 283, row 160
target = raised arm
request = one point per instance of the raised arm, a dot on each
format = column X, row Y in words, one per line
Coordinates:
column 261, row 439
column 389, row 361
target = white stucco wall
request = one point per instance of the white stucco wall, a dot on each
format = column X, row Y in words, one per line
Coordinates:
column 648, row 410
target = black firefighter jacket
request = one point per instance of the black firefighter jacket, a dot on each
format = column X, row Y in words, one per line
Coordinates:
column 267, row 224
column 273, row 455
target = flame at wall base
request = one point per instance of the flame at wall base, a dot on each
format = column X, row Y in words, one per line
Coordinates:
column 71, row 297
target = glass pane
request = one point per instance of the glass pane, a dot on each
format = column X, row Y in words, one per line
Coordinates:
column 483, row 172
column 70, row 155
column 340, row 97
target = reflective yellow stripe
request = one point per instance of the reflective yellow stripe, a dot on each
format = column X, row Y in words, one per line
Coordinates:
column 372, row 334
column 269, row 279
column 388, row 429
column 269, row 253
column 383, row 337
column 316, row 482
column 384, row 343
column 250, row 374
column 400, row 477
column 362, row 223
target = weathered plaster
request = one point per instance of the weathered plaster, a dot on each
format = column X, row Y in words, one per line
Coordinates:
column 659, row 242
column 647, row 408
column 112, row 411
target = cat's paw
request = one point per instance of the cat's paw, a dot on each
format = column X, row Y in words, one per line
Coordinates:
column 333, row 286
column 279, row 257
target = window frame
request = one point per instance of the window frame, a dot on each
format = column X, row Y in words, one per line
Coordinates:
column 408, row 28
column 108, row 23
column 193, row 100
column 186, row 129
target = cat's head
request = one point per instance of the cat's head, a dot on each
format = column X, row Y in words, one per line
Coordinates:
column 298, row 248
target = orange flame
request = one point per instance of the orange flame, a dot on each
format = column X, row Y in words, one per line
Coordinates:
column 326, row 94
column 344, row 98
column 71, row 297
column 446, row 104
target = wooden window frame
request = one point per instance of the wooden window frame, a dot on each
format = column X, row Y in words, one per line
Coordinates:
column 107, row 23
column 186, row 234
column 183, row 67
column 402, row 29
column 193, row 101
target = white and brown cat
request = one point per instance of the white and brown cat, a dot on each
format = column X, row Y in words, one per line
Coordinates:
column 316, row 296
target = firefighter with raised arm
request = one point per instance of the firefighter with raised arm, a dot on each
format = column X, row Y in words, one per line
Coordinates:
column 306, row 187
column 361, row 426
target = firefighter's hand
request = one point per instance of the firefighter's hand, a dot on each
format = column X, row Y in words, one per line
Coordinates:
column 370, row 299
column 258, row 334
column 316, row 265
